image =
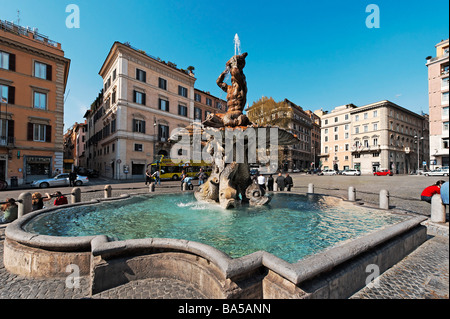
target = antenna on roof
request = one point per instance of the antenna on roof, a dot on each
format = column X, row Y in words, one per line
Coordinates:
column 18, row 17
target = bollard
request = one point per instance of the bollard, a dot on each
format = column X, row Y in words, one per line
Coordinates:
column 310, row 188
column 437, row 209
column 351, row 194
column 151, row 187
column 108, row 191
column 76, row 195
column 24, row 205
column 384, row 199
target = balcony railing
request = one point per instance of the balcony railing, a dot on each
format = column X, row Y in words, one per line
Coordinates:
column 7, row 141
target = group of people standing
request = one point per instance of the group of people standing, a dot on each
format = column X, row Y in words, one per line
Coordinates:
column 281, row 181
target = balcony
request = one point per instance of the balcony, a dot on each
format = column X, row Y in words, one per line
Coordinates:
column 7, row 141
column 366, row 149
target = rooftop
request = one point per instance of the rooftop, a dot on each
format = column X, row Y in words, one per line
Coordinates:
column 28, row 33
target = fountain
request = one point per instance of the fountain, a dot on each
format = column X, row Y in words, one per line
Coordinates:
column 230, row 182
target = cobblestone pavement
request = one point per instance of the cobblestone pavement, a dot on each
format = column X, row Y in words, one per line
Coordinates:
column 422, row 274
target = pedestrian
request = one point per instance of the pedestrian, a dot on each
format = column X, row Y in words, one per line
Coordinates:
column 37, row 201
column 156, row 176
column 270, row 183
column 429, row 191
column 60, row 199
column 9, row 210
column 148, row 176
column 444, row 193
column 202, row 177
column 72, row 178
column 281, row 183
column 289, row 183
column 261, row 181
column 182, row 177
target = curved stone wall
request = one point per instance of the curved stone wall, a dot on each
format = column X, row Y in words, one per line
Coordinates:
column 215, row 274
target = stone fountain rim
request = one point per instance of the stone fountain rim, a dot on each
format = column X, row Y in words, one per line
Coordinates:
column 304, row 269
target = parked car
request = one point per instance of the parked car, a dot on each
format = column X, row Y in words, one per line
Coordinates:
column 59, row 180
column 353, row 172
column 328, row 172
column 296, row 170
column 444, row 171
column 384, row 172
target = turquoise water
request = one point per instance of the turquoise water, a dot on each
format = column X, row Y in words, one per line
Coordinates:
column 291, row 227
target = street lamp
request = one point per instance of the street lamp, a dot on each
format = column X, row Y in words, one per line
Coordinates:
column 418, row 151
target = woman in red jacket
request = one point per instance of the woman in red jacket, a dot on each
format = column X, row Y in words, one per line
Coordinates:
column 428, row 192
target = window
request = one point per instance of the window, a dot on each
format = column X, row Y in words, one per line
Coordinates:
column 182, row 91
column 366, row 143
column 141, row 75
column 163, row 132
column 375, row 141
column 138, row 126
column 197, row 114
column 336, row 129
column 346, row 127
column 138, row 147
column 346, row 117
column 356, row 129
column 208, row 101
column 4, row 93
column 114, row 74
column 356, row 118
column 326, row 122
column 139, row 97
column 39, row 134
column 346, row 135
column 182, row 110
column 366, row 116
column 336, row 119
column 326, row 138
column 445, row 112
column 326, row 131
column 7, row 61
column 43, row 71
column 162, row 83
column 375, row 126
column 197, row 97
column 375, row 113
column 444, row 83
column 376, row 154
column 164, row 105
column 40, row 100
column 336, row 137
column 445, row 126
column 326, row 149
column 347, row 147
column 444, row 98
column 366, row 128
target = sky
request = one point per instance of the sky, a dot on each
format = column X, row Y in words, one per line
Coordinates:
column 317, row 54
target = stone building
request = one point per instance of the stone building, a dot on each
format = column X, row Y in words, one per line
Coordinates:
column 438, row 90
column 33, row 78
column 377, row 136
column 142, row 101
column 291, row 117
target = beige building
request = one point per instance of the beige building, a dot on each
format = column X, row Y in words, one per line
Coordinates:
column 438, row 90
column 374, row 137
column 336, row 138
column 142, row 101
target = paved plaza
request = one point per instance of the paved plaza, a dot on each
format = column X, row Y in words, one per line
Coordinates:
column 424, row 274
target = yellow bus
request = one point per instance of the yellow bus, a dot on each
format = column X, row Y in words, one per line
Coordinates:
column 169, row 170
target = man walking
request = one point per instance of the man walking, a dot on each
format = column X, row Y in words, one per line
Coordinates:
column 281, row 183
column 289, row 183
column 261, row 181
column 72, row 178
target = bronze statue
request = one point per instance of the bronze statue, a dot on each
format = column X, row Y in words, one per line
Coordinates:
column 236, row 95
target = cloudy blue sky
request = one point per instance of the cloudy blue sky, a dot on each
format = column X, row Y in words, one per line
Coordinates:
column 317, row 54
